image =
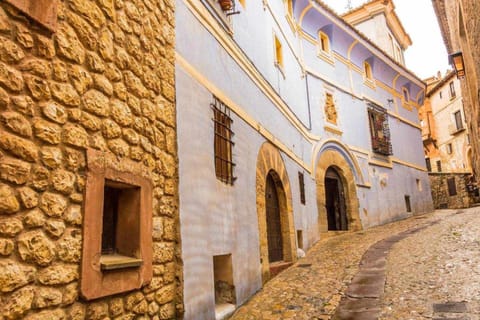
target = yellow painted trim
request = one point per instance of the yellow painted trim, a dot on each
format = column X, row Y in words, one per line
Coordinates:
column 411, row 165
column 307, row 37
column 380, row 163
column 341, row 58
column 328, row 58
column 330, row 81
column 349, row 51
column 333, row 130
column 209, row 22
column 304, row 12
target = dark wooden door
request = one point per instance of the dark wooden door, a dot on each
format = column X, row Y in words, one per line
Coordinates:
column 335, row 202
column 274, row 227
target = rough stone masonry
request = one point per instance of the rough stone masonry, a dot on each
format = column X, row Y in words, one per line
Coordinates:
column 103, row 79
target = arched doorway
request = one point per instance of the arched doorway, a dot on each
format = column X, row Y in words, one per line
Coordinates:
column 274, row 223
column 275, row 214
column 335, row 201
column 336, row 184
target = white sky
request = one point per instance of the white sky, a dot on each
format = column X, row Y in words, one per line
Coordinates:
column 427, row 54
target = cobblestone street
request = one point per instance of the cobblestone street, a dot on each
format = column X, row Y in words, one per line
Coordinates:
column 424, row 267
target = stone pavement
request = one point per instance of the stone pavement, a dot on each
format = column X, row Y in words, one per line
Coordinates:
column 428, row 263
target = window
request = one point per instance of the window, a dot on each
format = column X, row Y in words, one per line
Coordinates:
column 449, row 148
column 379, row 130
column 278, row 53
column 428, row 163
column 367, row 70
column 406, row 96
column 42, row 11
column 324, row 42
column 439, row 166
column 117, row 233
column 301, row 182
column 458, row 120
column 440, row 94
column 452, row 90
column 452, row 188
column 223, row 143
column 408, row 206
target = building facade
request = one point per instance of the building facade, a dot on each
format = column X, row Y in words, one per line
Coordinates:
column 88, row 161
column 444, row 131
column 458, row 20
column 290, row 124
column 448, row 153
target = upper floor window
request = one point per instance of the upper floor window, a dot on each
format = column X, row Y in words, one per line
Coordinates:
column 440, row 94
column 301, row 182
column 452, row 90
column 406, row 96
column 278, row 52
column 458, row 120
column 223, row 143
column 367, row 69
column 379, row 130
column 324, row 42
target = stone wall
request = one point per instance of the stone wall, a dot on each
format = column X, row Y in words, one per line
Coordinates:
column 440, row 194
column 104, row 79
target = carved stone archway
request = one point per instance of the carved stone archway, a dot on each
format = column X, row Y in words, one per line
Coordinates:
column 333, row 159
column 270, row 162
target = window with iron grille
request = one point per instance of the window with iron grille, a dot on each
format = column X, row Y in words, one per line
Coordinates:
column 379, row 130
column 223, row 143
column 301, row 182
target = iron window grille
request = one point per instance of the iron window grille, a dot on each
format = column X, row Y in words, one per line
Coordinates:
column 301, row 182
column 379, row 130
column 223, row 143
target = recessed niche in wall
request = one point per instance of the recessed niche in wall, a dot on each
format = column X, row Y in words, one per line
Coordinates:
column 300, row 239
column 117, row 234
column 407, row 203
column 225, row 298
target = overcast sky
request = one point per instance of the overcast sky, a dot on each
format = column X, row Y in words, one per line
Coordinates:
column 427, row 54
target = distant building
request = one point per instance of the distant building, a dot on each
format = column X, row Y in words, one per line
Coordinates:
column 458, row 20
column 444, row 131
column 291, row 124
column 448, row 153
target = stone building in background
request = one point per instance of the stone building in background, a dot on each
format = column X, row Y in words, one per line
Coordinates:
column 446, row 143
column 88, row 160
column 460, row 26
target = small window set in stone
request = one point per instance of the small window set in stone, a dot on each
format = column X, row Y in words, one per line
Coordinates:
column 117, row 241
column 43, row 12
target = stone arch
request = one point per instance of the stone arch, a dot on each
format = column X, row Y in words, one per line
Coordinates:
column 331, row 158
column 269, row 161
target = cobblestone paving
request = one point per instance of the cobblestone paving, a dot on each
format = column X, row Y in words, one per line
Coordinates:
column 314, row 292
column 435, row 274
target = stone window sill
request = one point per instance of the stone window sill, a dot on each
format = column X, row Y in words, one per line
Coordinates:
column 116, row 261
